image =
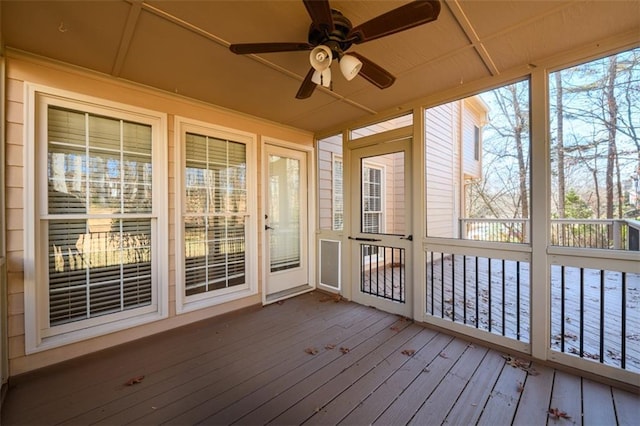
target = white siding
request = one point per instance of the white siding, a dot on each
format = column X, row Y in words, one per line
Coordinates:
column 442, row 176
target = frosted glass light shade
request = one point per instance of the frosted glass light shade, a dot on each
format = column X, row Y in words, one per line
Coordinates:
column 320, row 57
column 350, row 66
column 322, row 77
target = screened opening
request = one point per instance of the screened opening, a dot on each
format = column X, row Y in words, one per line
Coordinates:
column 478, row 166
column 595, row 153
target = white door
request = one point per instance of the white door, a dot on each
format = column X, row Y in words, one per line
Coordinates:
column 381, row 226
column 286, row 221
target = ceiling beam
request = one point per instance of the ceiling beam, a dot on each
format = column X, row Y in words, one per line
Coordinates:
column 218, row 40
column 127, row 36
column 464, row 23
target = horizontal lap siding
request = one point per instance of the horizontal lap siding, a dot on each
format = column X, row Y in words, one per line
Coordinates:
column 441, row 170
column 23, row 69
column 14, row 172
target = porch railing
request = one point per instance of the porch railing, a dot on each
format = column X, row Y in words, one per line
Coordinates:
column 617, row 234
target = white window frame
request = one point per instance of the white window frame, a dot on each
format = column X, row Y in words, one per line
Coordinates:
column 190, row 303
column 39, row 335
column 383, row 187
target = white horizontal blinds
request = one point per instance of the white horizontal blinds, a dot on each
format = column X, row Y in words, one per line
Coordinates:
column 371, row 200
column 215, row 211
column 338, row 196
column 99, row 174
column 284, row 213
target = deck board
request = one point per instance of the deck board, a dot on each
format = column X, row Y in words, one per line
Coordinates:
column 597, row 406
column 440, row 402
column 567, row 394
column 471, row 401
column 251, row 367
column 535, row 395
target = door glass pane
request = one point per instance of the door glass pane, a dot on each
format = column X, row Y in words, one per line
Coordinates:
column 284, row 213
column 383, row 194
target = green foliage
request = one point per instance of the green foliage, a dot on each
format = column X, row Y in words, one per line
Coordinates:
column 575, row 207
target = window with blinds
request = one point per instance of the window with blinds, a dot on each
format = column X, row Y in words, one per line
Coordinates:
column 98, row 215
column 215, row 211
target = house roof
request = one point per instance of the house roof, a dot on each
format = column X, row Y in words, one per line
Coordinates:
column 182, row 47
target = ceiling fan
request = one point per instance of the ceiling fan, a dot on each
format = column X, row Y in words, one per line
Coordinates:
column 331, row 34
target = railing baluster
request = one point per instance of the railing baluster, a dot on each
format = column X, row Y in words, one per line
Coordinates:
column 601, row 316
column 453, row 287
column 489, row 298
column 464, row 288
column 402, row 274
column 503, row 297
column 385, row 272
column 442, row 285
column 581, row 312
column 477, row 296
column 623, row 331
column 562, row 306
column 518, row 299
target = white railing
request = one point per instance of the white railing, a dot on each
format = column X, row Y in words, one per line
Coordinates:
column 616, row 234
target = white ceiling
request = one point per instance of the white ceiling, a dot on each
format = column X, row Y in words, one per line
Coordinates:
column 182, row 47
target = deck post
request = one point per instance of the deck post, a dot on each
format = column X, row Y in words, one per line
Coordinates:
column 540, row 222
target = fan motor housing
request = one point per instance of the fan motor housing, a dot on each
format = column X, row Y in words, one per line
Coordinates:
column 337, row 38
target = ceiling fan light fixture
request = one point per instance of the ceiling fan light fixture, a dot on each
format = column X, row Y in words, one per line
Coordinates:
column 322, row 78
column 320, row 58
column 350, row 66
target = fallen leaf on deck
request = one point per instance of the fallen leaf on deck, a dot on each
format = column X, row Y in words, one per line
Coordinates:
column 444, row 355
column 556, row 414
column 408, row 352
column 280, row 302
column 134, row 380
column 520, row 387
column 395, row 328
column 330, row 346
column 311, row 351
column 344, row 350
column 521, row 364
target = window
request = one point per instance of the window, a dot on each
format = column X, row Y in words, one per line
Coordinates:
column 97, row 220
column 217, row 217
column 476, row 143
column 372, row 200
column 383, row 126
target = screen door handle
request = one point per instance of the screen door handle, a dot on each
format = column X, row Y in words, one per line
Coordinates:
column 363, row 239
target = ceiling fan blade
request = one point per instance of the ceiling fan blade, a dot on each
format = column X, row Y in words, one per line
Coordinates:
column 402, row 18
column 248, row 48
column 374, row 73
column 320, row 13
column 307, row 87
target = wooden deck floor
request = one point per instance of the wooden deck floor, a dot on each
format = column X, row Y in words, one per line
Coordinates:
column 314, row 361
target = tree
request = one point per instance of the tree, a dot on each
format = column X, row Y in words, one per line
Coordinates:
column 596, row 115
column 576, row 207
column 504, row 189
